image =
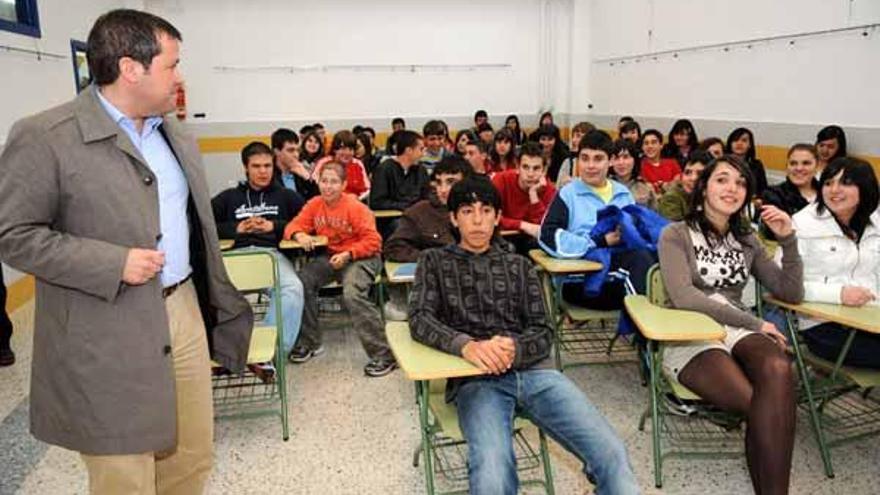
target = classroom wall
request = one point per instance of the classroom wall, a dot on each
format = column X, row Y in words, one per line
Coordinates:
column 31, row 85
column 300, row 33
column 533, row 36
column 790, row 91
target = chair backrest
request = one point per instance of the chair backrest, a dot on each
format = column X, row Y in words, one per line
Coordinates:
column 250, row 270
column 656, row 290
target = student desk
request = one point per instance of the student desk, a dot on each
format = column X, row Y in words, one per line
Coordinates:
column 849, row 419
column 422, row 364
column 392, row 268
column 320, row 240
column 659, row 325
column 578, row 338
column 387, row 213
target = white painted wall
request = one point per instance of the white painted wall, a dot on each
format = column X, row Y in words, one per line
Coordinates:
column 303, row 32
column 828, row 79
column 31, row 85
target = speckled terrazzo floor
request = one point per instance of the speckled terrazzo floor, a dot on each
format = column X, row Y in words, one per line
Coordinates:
column 354, row 435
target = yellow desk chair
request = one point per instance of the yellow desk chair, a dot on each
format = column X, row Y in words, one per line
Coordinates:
column 443, row 444
column 247, row 395
column 586, row 333
column 707, row 432
column 838, row 398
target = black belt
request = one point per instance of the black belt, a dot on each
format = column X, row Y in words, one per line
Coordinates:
column 167, row 291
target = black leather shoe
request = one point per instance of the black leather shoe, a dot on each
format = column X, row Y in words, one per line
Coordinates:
column 7, row 357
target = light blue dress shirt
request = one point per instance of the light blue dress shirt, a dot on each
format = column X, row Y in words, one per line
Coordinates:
column 173, row 191
column 288, row 180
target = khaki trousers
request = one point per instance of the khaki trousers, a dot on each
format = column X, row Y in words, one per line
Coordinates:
column 185, row 469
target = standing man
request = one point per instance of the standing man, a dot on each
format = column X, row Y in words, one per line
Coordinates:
column 105, row 202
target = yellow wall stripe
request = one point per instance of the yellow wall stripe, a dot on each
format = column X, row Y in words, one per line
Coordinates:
column 19, row 292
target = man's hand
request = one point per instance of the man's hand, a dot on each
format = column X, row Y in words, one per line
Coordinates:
column 245, row 226
column 531, row 229
column 534, row 190
column 305, row 240
column 141, row 265
column 770, row 330
column 339, row 260
column 851, row 295
column 494, row 355
column 261, row 226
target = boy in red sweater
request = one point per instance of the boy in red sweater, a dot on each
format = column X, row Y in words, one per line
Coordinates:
column 655, row 170
column 525, row 196
column 352, row 259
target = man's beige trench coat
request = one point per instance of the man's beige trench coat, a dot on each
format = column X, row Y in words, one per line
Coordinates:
column 75, row 195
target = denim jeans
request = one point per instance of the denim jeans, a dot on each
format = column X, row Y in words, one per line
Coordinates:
column 292, row 298
column 486, row 408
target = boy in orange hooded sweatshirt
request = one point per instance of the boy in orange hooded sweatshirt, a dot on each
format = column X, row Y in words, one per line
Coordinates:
column 352, row 259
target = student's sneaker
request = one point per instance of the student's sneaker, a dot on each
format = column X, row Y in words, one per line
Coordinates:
column 380, row 367
column 301, row 354
column 264, row 371
column 394, row 313
column 679, row 407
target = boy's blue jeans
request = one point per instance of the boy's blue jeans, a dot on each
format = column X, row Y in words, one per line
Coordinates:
column 486, row 408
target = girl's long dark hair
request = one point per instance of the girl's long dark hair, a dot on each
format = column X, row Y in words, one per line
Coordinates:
column 739, row 223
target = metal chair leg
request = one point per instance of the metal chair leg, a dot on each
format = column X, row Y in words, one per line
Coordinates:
column 545, row 460
column 815, row 419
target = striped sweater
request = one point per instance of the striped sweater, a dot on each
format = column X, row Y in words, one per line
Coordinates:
column 459, row 296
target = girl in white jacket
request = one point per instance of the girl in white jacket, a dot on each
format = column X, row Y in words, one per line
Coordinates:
column 839, row 242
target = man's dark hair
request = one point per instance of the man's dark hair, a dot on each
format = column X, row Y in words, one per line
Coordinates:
column 451, row 165
column 407, row 139
column 434, row 128
column 699, row 156
column 530, row 148
column 629, row 126
column 371, row 132
column 481, row 146
column 596, row 140
column 485, row 126
column 282, row 136
column 124, row 33
column 254, row 148
column 480, row 114
column 398, row 120
column 317, row 125
column 357, row 129
column 471, row 190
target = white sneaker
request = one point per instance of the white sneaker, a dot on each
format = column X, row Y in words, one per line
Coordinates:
column 394, row 313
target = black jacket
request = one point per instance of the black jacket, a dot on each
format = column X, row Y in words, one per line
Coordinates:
column 275, row 203
column 395, row 189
